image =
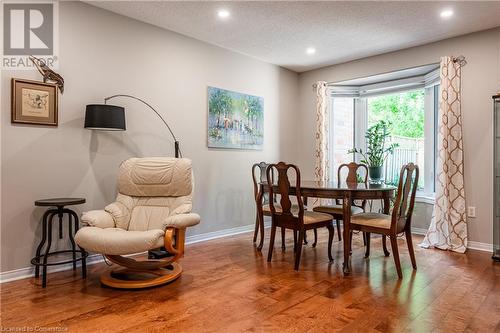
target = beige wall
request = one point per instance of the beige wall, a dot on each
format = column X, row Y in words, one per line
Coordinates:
column 481, row 79
column 102, row 54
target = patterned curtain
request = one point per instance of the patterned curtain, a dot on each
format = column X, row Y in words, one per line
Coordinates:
column 448, row 229
column 321, row 172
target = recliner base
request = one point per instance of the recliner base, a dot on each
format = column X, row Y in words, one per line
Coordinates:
column 125, row 278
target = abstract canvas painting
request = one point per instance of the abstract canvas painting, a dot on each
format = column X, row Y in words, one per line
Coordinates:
column 235, row 120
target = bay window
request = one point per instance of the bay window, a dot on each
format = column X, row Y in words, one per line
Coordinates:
column 409, row 100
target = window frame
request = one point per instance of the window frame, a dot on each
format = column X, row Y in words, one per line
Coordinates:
column 331, row 139
column 430, row 84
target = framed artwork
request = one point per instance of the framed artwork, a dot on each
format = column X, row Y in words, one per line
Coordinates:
column 235, row 120
column 34, row 102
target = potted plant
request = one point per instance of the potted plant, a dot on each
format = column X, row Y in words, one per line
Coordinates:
column 376, row 151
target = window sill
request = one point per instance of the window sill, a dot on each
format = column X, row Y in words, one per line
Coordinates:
column 428, row 198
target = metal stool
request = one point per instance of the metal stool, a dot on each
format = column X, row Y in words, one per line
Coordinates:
column 59, row 210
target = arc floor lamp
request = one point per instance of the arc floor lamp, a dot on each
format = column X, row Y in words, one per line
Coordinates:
column 106, row 117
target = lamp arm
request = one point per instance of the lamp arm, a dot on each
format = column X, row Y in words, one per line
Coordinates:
column 152, row 108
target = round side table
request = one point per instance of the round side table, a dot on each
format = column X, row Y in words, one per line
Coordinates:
column 58, row 208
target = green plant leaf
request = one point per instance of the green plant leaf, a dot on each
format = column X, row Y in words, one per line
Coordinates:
column 376, row 152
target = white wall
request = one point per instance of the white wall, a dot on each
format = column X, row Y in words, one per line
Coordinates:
column 481, row 80
column 103, row 54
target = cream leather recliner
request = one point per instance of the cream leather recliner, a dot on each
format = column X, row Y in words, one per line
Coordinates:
column 152, row 209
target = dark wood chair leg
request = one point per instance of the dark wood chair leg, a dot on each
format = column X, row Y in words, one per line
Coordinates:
column 294, row 240
column 283, row 238
column 395, row 254
column 305, row 238
column 367, row 237
column 350, row 242
column 256, row 231
column 409, row 242
column 261, row 228
column 299, row 249
column 331, row 232
column 339, row 234
column 346, row 265
column 384, row 245
column 271, row 243
column 315, row 237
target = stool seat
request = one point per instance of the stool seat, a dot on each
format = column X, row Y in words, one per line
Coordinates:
column 59, row 202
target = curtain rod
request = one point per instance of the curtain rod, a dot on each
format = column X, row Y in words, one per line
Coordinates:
column 460, row 60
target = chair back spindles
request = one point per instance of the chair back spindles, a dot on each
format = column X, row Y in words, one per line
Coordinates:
column 405, row 200
column 260, row 178
column 261, row 196
column 283, row 186
column 352, row 174
column 352, row 177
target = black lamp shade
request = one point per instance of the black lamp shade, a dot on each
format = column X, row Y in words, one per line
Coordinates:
column 105, row 117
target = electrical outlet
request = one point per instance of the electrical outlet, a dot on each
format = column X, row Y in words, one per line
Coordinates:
column 471, row 211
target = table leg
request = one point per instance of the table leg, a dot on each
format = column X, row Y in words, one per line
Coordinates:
column 387, row 207
column 347, row 239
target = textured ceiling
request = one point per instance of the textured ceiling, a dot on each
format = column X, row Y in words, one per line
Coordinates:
column 279, row 32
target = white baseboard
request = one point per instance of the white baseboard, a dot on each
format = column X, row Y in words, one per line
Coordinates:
column 480, row 246
column 27, row 272
column 470, row 244
column 418, row 231
column 222, row 233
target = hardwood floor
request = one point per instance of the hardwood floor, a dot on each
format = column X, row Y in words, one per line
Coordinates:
column 228, row 286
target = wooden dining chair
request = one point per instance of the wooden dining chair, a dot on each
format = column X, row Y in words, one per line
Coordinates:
column 399, row 221
column 262, row 202
column 337, row 210
column 300, row 220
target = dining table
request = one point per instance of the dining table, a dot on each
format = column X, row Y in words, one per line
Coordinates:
column 347, row 192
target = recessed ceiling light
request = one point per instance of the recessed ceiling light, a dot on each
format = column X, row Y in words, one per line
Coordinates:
column 311, row 50
column 223, row 13
column 447, row 13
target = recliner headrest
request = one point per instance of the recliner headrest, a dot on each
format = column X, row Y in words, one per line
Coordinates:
column 155, row 177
